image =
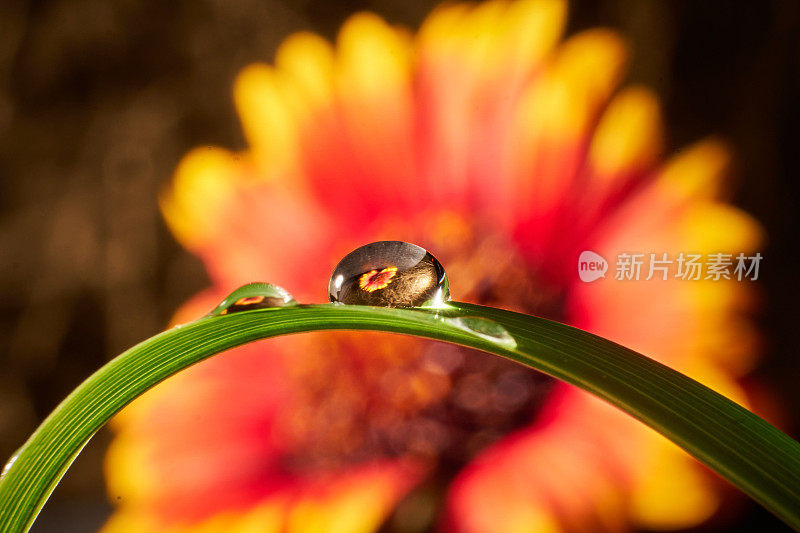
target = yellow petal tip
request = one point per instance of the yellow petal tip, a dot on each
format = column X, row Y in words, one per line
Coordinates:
column 629, row 135
column 201, row 186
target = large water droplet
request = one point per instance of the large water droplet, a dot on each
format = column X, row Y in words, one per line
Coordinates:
column 484, row 328
column 389, row 274
column 254, row 296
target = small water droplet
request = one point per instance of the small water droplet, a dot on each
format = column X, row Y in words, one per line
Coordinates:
column 484, row 328
column 254, row 296
column 8, row 465
column 389, row 274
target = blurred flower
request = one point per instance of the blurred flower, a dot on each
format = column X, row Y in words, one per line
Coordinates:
column 506, row 154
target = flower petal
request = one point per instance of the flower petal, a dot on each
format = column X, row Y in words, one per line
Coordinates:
column 263, row 98
column 201, row 189
column 562, row 473
column 554, row 128
column 308, row 61
column 626, row 144
column 355, row 502
column 473, row 64
column 358, row 151
column 623, row 151
column 672, row 492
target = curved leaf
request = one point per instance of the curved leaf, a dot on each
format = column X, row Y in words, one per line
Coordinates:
column 740, row 446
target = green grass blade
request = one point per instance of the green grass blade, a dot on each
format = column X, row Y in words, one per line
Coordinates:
column 740, row 446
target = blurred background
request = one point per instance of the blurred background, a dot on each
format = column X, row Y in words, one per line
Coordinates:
column 99, row 100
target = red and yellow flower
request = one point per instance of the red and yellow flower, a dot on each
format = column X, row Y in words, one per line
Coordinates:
column 506, row 153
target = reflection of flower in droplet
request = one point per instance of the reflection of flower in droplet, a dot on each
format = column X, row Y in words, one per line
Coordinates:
column 374, row 280
column 250, row 300
column 504, row 154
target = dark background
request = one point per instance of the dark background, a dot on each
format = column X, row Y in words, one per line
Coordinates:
column 100, row 99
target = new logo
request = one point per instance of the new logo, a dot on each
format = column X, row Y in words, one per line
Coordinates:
column 591, row 266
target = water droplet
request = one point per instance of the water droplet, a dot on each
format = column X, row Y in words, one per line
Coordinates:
column 254, row 296
column 389, row 274
column 486, row 329
column 10, row 462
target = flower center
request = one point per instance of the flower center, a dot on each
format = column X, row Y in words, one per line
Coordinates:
column 389, row 396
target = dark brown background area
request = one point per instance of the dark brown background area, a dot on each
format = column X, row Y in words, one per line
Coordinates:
column 100, row 99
